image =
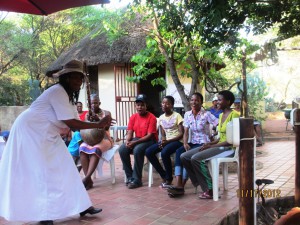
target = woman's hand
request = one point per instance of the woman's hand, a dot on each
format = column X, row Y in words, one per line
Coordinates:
column 162, row 144
column 205, row 146
column 106, row 122
column 186, row 146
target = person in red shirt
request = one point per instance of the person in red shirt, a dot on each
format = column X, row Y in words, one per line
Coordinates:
column 81, row 113
column 141, row 133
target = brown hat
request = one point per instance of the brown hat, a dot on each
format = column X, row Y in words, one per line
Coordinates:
column 72, row 66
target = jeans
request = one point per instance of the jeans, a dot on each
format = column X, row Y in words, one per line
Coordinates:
column 179, row 170
column 139, row 153
column 166, row 153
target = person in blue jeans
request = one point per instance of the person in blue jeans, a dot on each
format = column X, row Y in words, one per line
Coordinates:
column 171, row 130
column 197, row 121
column 141, row 133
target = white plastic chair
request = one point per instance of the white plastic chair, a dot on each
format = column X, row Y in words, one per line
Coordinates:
column 233, row 137
column 108, row 156
column 158, row 155
column 214, row 171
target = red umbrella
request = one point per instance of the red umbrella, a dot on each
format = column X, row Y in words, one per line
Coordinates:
column 44, row 7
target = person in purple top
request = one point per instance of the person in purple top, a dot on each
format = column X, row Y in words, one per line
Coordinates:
column 197, row 120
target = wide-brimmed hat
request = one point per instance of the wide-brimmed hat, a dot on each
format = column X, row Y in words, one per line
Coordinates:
column 72, row 66
column 141, row 98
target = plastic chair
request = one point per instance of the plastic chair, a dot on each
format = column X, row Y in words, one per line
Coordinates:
column 214, row 171
column 158, row 155
column 150, row 171
column 108, row 156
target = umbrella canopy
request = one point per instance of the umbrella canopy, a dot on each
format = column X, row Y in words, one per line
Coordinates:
column 44, row 7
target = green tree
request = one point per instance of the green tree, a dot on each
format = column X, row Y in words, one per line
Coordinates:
column 11, row 46
column 191, row 34
column 257, row 92
column 14, row 89
column 30, row 43
column 176, row 45
column 48, row 37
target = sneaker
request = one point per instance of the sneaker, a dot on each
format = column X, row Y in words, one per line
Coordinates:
column 134, row 185
column 166, row 184
column 176, row 190
column 129, row 180
column 206, row 195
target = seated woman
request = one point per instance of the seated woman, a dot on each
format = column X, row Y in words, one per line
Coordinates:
column 76, row 140
column 194, row 161
column 141, row 133
column 171, row 129
column 197, row 120
column 90, row 155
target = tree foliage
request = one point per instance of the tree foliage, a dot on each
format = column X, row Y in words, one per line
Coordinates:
column 11, row 46
column 30, row 43
column 191, row 34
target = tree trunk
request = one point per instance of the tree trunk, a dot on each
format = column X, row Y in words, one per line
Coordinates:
column 244, row 79
column 172, row 67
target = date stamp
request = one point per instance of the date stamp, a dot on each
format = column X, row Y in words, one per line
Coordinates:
column 266, row 193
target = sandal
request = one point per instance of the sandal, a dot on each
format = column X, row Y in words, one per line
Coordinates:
column 206, row 195
column 88, row 184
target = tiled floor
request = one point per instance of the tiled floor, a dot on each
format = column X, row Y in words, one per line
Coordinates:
column 145, row 205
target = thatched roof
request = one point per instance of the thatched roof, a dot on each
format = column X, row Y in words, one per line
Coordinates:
column 95, row 49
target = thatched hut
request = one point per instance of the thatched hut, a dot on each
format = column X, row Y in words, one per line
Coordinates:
column 108, row 66
column 95, row 49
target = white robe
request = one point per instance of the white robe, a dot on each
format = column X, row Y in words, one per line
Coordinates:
column 38, row 178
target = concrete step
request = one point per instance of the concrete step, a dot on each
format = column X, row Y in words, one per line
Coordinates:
column 273, row 136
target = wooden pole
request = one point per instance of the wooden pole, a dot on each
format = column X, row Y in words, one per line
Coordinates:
column 297, row 157
column 246, row 174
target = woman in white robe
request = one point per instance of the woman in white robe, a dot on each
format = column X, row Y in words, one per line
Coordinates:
column 38, row 178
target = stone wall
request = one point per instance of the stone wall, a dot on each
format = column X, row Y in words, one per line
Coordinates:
column 8, row 115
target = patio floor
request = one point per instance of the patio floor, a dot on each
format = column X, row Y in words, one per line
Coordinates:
column 146, row 205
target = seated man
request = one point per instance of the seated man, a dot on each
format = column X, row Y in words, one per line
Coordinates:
column 90, row 155
column 76, row 140
column 237, row 105
column 73, row 148
column 143, row 125
column 258, row 133
column 5, row 135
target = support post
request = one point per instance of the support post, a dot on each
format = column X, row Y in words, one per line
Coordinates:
column 246, row 174
column 297, row 156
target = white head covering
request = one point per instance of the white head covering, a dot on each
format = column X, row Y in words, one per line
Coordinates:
column 215, row 98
